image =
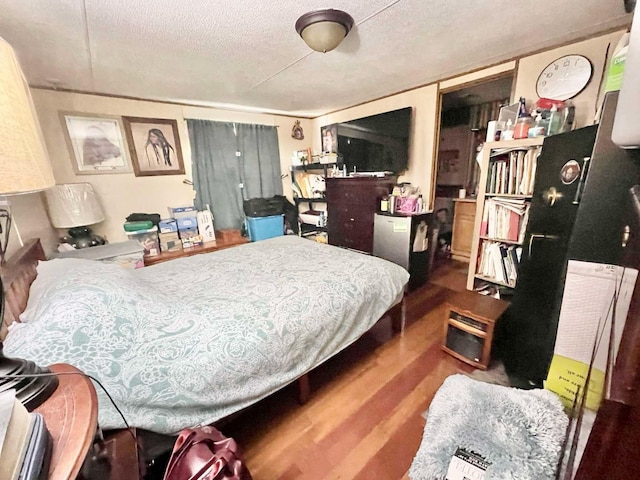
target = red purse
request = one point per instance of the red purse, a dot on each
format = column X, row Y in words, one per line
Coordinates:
column 205, row 454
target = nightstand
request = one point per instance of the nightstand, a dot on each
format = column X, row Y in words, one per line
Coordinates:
column 71, row 416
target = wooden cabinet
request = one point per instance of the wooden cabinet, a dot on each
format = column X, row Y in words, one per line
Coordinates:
column 351, row 206
column 462, row 235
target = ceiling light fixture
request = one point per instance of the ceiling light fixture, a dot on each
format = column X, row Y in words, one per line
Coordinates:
column 324, row 30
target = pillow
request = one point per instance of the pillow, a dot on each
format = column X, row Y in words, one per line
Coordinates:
column 53, row 275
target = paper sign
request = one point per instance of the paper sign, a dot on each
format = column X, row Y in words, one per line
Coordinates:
column 586, row 314
column 399, row 227
column 466, row 466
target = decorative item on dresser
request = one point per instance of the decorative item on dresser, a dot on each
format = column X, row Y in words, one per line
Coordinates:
column 352, row 203
column 464, row 215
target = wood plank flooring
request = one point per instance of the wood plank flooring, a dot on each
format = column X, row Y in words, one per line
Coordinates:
column 364, row 418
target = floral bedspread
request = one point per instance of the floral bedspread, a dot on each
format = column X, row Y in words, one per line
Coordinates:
column 190, row 341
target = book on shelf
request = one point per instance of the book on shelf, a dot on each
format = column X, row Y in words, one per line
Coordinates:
column 308, row 185
column 513, row 173
column 25, row 443
column 500, row 262
column 505, row 219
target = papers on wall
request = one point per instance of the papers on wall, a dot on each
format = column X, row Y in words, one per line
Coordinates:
column 586, row 315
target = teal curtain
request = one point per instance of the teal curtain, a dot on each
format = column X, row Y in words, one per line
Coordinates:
column 224, row 157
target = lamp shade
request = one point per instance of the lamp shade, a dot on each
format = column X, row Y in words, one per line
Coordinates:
column 24, row 163
column 324, row 30
column 73, row 205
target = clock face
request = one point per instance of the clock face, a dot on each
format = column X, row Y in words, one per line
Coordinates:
column 564, row 78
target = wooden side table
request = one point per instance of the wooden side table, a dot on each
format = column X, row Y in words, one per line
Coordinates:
column 71, row 416
column 469, row 326
column 224, row 239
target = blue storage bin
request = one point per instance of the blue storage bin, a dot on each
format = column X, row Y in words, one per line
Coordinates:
column 261, row 228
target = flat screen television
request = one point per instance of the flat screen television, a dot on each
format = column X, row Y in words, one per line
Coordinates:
column 377, row 143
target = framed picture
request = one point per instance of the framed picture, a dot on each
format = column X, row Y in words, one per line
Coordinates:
column 329, row 135
column 96, row 143
column 154, row 145
column 303, row 156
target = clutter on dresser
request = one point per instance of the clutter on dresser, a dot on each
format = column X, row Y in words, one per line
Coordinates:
column 186, row 227
column 404, row 199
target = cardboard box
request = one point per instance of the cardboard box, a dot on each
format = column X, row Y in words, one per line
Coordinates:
column 205, row 226
column 170, row 242
column 187, row 223
column 191, row 238
column 168, row 225
column 182, row 211
column 148, row 240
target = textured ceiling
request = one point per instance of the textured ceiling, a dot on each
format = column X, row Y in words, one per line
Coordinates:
column 246, row 52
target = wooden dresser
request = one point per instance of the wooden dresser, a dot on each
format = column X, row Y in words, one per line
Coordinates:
column 463, row 223
column 351, row 206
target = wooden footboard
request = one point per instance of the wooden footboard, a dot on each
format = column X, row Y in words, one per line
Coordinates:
column 17, row 274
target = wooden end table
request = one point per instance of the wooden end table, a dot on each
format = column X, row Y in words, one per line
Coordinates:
column 71, row 416
column 469, row 326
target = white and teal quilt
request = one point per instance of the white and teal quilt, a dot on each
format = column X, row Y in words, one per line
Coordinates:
column 193, row 340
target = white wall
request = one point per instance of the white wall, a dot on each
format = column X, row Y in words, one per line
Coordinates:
column 595, row 49
column 122, row 194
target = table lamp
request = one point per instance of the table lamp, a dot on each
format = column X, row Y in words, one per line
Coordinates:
column 75, row 206
column 24, row 167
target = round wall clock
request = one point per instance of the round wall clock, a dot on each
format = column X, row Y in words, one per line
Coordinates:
column 564, row 78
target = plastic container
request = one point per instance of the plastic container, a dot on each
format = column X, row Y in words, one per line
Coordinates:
column 521, row 130
column 261, row 228
column 147, row 239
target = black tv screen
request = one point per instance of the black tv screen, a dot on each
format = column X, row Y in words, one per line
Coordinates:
column 377, row 143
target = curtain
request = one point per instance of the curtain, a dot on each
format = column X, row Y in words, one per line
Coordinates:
column 218, row 171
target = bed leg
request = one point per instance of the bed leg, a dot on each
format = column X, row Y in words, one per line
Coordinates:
column 397, row 317
column 303, row 389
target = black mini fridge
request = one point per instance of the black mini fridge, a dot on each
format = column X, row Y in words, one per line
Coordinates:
column 581, row 186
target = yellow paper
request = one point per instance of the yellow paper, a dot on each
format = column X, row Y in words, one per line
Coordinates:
column 566, row 375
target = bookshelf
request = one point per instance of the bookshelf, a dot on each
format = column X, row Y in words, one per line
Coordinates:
column 507, row 174
column 306, row 193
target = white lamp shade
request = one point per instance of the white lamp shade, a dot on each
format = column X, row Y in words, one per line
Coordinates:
column 323, row 36
column 73, row 205
column 24, row 163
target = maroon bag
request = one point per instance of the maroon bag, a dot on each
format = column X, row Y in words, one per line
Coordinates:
column 205, row 454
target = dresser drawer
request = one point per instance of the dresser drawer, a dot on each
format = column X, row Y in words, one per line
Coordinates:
column 352, row 234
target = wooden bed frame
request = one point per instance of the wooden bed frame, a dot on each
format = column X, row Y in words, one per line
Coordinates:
column 20, row 271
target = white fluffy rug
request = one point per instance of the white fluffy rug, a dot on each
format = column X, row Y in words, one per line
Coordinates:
column 520, row 432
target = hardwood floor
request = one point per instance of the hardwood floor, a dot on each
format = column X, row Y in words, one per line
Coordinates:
column 364, row 418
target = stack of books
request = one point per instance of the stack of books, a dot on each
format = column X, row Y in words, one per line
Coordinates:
column 25, row 443
column 505, row 219
column 499, row 262
column 513, row 173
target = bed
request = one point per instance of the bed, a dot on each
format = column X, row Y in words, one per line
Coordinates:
column 194, row 340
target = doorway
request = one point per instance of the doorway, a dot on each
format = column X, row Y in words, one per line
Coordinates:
column 465, row 112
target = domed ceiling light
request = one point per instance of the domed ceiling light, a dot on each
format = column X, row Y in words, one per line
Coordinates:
column 324, row 30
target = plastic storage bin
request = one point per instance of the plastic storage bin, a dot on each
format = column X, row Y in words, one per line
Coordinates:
column 261, row 228
column 125, row 254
